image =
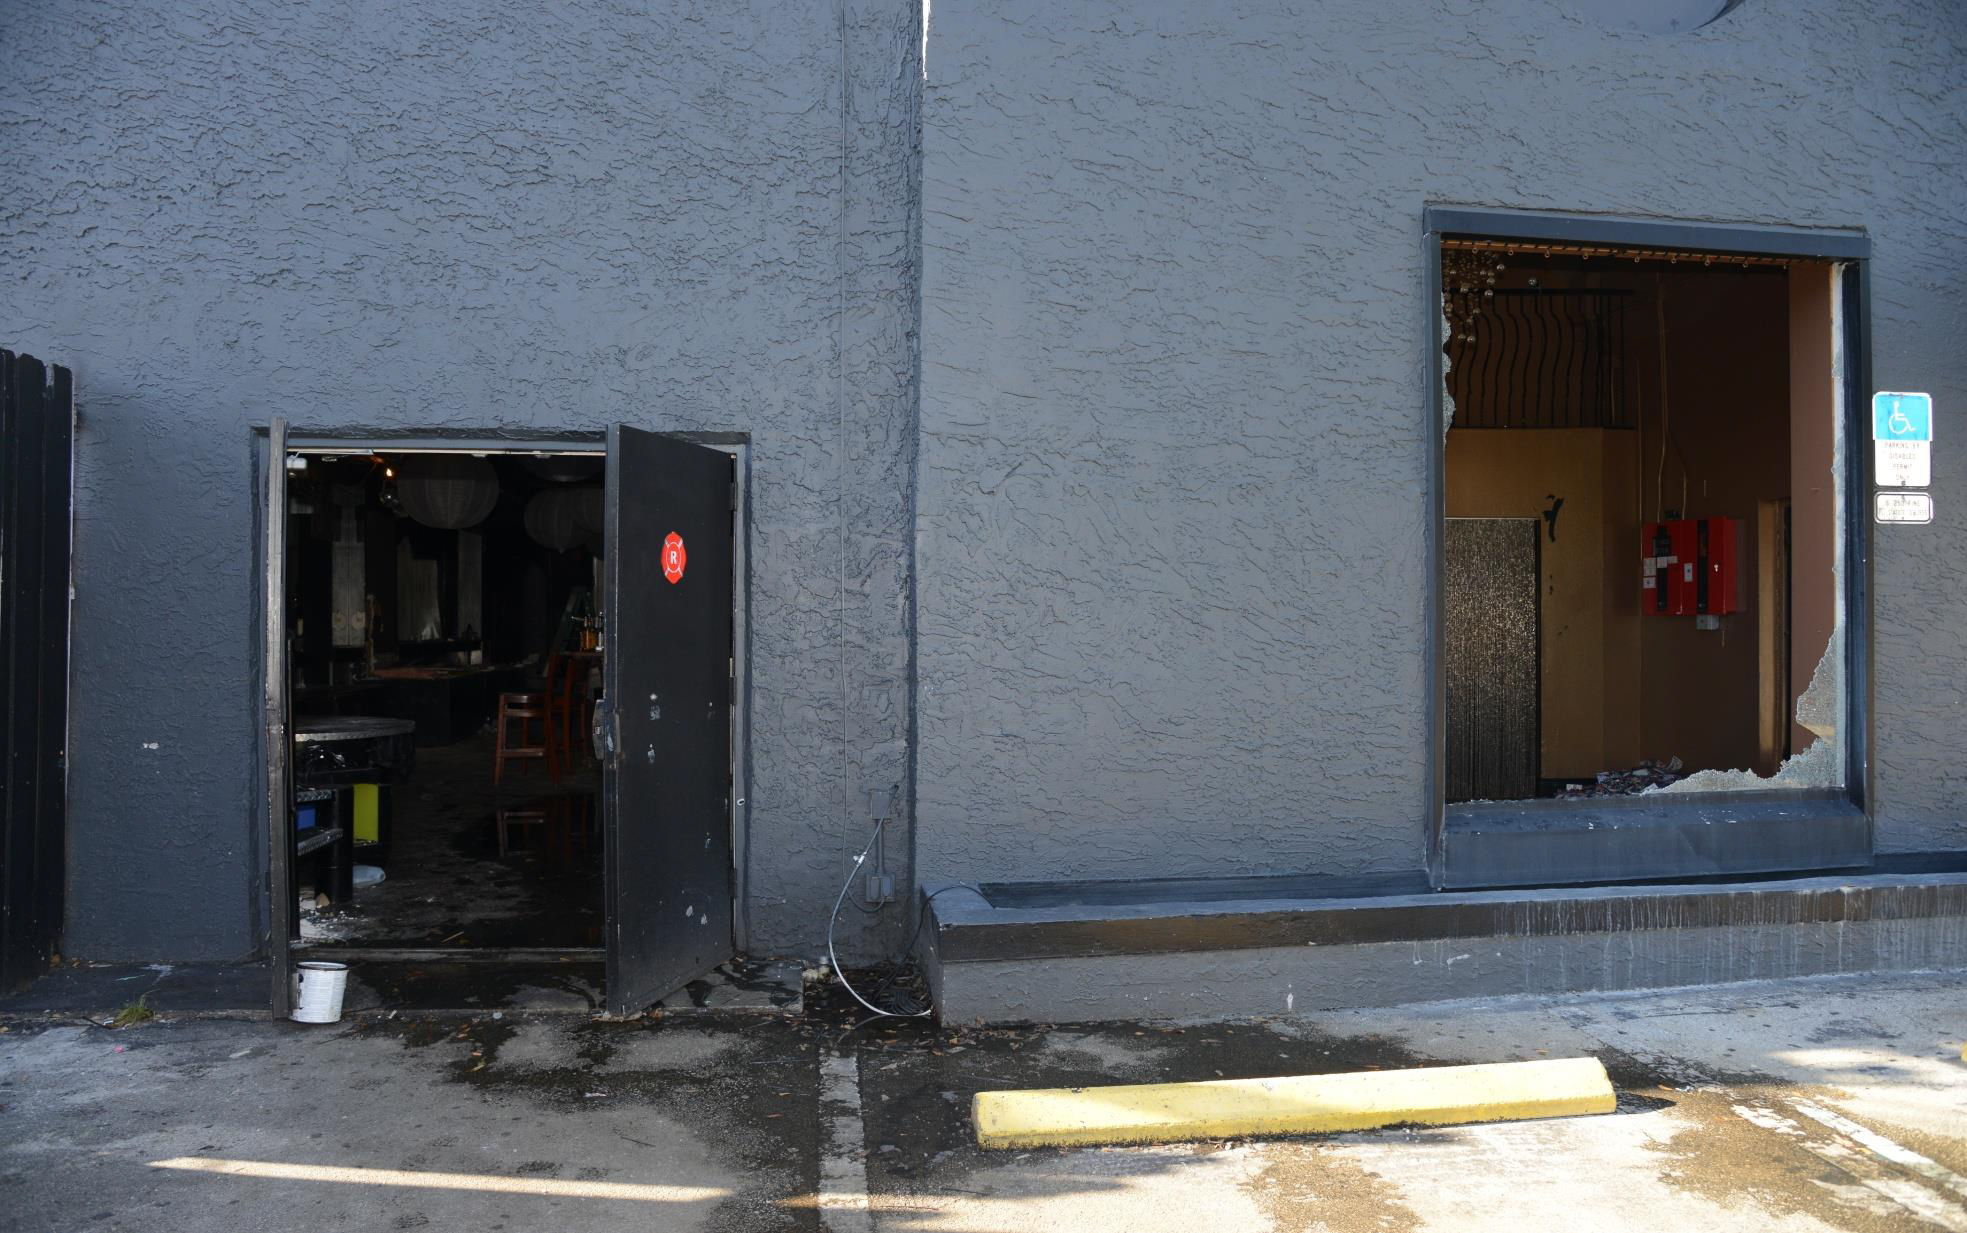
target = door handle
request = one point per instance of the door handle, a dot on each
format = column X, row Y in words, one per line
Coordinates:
column 602, row 733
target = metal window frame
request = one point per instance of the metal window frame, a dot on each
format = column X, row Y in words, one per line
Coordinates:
column 269, row 832
column 1848, row 247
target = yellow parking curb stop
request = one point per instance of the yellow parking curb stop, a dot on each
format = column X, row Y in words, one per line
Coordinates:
column 1291, row 1104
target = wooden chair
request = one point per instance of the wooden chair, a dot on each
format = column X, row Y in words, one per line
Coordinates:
column 567, row 706
column 522, row 709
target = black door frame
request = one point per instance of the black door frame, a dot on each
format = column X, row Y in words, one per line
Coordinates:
column 1838, row 812
column 271, row 915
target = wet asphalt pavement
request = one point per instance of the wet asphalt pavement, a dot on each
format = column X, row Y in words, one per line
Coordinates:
column 1829, row 1104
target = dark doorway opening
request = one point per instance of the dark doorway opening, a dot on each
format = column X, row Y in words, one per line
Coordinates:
column 446, row 638
column 433, row 600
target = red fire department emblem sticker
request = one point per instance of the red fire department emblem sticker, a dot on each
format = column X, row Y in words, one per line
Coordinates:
column 673, row 557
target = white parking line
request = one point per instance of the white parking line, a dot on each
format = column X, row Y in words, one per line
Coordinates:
column 1864, row 1160
column 843, row 1151
column 1884, row 1148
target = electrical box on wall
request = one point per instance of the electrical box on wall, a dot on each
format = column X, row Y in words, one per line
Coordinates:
column 1689, row 567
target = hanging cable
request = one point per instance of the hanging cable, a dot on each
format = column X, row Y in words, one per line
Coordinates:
column 833, row 922
column 907, row 1008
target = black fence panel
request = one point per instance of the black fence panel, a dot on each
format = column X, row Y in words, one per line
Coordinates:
column 36, row 436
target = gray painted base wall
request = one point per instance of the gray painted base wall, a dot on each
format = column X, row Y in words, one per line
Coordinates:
column 1305, row 979
column 430, row 216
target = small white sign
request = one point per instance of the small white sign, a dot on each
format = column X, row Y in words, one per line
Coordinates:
column 1903, row 464
column 1914, row 507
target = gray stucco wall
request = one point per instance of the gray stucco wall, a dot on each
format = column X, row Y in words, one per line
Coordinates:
column 1171, row 517
column 450, row 216
column 1171, row 521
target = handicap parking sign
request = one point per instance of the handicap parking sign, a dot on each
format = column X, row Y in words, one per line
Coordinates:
column 1901, row 417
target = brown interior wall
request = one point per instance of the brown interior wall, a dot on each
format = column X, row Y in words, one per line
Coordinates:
column 1727, row 387
column 1813, row 585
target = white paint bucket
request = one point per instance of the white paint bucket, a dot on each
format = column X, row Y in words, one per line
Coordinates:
column 318, row 989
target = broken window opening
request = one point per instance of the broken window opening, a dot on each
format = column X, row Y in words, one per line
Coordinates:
column 1643, row 567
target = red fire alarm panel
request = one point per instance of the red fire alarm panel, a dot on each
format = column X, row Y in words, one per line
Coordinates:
column 1688, row 567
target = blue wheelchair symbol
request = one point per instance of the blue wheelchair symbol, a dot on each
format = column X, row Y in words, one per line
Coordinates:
column 1901, row 417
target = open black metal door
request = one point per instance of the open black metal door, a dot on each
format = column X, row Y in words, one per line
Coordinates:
column 664, row 721
column 37, row 416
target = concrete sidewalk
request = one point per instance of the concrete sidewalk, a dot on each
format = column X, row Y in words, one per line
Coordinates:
column 1817, row 1104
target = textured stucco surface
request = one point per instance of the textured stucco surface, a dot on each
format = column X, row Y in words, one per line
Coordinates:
column 1171, row 518
column 1171, row 523
column 459, row 216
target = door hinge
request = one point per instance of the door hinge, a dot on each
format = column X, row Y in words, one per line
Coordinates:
column 734, row 494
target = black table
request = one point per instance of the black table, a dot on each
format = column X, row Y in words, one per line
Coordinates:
column 345, row 749
column 446, row 704
column 332, row 754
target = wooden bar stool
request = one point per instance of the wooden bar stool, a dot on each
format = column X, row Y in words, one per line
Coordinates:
column 559, row 724
column 522, row 709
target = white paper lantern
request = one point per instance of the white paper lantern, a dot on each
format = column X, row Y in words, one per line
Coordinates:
column 447, row 491
column 551, row 519
column 589, row 514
